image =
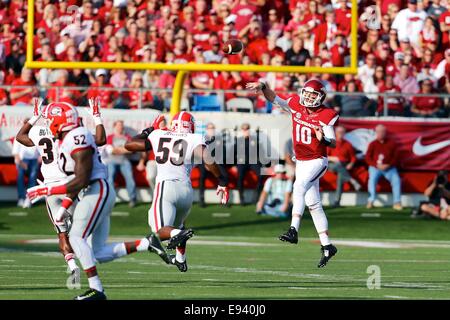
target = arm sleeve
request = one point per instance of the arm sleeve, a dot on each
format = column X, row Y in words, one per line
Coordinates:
column 283, row 104
column 268, row 185
column 328, row 132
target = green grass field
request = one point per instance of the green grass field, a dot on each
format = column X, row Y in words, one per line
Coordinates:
column 236, row 255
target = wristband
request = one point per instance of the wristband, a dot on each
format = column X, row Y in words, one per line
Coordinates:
column 34, row 119
column 98, row 121
column 325, row 141
column 57, row 190
column 263, row 86
column 66, row 203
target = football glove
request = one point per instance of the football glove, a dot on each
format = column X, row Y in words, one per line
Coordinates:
column 37, row 193
column 156, row 123
column 37, row 111
column 223, row 193
column 94, row 109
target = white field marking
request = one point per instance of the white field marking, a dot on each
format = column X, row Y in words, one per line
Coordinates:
column 396, row 297
column 18, row 214
column 388, row 244
column 120, row 214
column 6, row 260
column 408, row 285
column 242, row 238
column 371, row 215
column 191, row 242
column 350, row 243
column 221, row 214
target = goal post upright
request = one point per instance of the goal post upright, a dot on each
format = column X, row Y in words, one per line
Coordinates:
column 183, row 69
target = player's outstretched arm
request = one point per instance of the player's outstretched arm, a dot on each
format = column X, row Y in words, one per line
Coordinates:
column 269, row 94
column 82, row 171
column 100, row 132
column 140, row 142
column 22, row 135
column 202, row 153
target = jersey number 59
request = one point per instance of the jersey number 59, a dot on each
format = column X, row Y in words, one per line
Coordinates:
column 178, row 151
column 303, row 134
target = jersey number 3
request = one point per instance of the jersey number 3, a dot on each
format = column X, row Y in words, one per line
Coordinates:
column 303, row 134
column 178, row 149
column 48, row 150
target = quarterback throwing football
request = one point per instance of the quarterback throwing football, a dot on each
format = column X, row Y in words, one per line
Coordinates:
column 312, row 133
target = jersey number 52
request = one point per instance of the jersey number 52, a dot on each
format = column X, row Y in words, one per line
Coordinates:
column 303, row 134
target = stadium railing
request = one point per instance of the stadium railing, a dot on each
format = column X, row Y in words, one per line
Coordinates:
column 189, row 94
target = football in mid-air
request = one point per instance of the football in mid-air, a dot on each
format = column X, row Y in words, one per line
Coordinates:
column 232, row 46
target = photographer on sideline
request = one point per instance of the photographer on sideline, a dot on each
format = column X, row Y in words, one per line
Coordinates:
column 438, row 193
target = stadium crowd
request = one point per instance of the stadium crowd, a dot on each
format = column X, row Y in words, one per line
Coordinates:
column 410, row 53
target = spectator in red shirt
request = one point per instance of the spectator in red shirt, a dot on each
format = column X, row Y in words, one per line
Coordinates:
column 344, row 18
column 444, row 23
column 244, row 12
column 106, row 96
column 340, row 161
column 395, row 104
column 382, row 157
column 134, row 95
column 426, row 106
column 257, row 43
column 59, row 94
column 23, row 96
column 325, row 32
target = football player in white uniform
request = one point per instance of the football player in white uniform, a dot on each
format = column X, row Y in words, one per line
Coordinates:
column 175, row 150
column 40, row 136
column 78, row 157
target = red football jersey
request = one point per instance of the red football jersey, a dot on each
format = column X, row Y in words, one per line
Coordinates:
column 306, row 144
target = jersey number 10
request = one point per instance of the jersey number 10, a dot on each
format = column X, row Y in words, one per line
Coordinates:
column 303, row 134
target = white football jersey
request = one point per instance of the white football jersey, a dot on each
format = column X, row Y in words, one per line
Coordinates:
column 78, row 139
column 42, row 138
column 174, row 153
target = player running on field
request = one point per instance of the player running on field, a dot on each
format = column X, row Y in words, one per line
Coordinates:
column 176, row 150
column 78, row 157
column 40, row 136
column 313, row 132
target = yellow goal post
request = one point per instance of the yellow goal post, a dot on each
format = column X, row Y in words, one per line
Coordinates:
column 183, row 69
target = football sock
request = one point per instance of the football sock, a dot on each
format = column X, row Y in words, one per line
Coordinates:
column 295, row 222
column 180, row 254
column 320, row 222
column 174, row 232
column 71, row 261
column 142, row 245
column 95, row 283
column 324, row 240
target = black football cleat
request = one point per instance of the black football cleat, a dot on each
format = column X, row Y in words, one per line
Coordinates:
column 180, row 238
column 290, row 236
column 328, row 252
column 182, row 266
column 91, row 294
column 156, row 246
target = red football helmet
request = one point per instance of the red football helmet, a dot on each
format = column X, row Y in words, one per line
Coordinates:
column 313, row 94
column 61, row 116
column 183, row 122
